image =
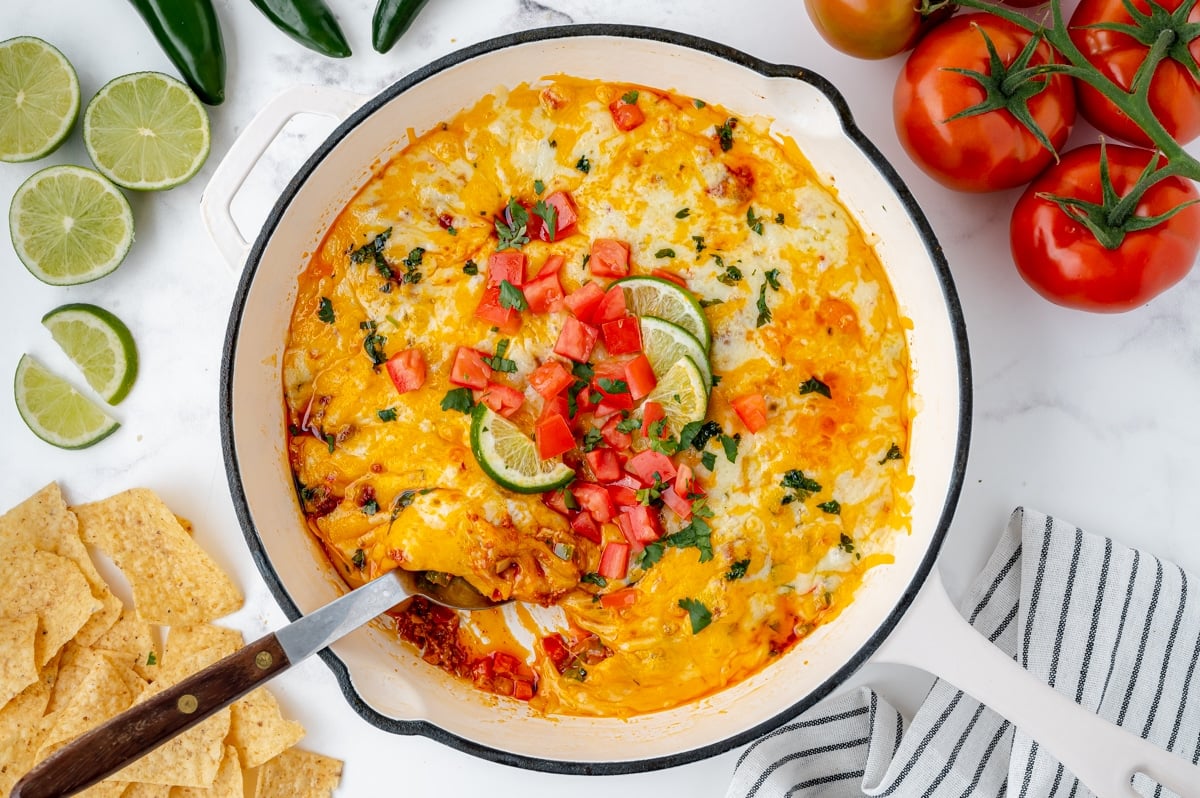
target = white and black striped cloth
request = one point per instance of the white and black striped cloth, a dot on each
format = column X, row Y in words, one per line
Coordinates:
column 1115, row 628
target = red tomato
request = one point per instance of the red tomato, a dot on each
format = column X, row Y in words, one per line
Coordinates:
column 555, row 406
column 621, row 599
column 507, row 265
column 616, row 396
column 586, row 527
column 652, row 412
column 502, row 399
column 552, row 265
column 640, row 525
column 1174, row 94
column 610, row 258
column 604, row 464
column 621, row 441
column 614, row 561
column 626, row 116
column 544, row 293
column 556, row 651
column 555, row 500
column 594, row 499
column 565, row 217
column 752, row 410
column 469, row 370
column 553, row 437
column 623, row 496
column 988, row 151
column 683, row 480
column 577, row 340
column 550, row 378
column 650, row 465
column 672, row 276
column 679, row 505
column 584, row 301
column 640, row 377
column 407, row 370
column 623, row 336
column 523, row 689
column 507, row 320
column 612, row 307
column 1065, row 263
column 870, row 28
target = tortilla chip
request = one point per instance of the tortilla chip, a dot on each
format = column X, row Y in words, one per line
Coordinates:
column 50, row 586
column 184, row 641
column 228, row 784
column 101, row 695
column 298, row 773
column 132, row 637
column 104, row 789
column 21, row 729
column 44, row 522
column 259, row 731
column 17, row 668
column 143, row 790
column 74, row 664
column 174, row 581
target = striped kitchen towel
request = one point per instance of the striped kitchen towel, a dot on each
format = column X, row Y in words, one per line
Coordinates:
column 1115, row 628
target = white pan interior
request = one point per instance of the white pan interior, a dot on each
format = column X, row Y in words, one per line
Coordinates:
column 389, row 678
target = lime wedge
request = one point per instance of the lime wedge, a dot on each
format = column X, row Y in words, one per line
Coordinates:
column 665, row 344
column 683, row 394
column 39, row 99
column 69, row 225
column 99, row 344
column 663, row 299
column 510, row 457
column 146, row 131
column 55, row 411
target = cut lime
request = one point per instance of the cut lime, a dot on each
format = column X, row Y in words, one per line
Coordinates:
column 665, row 344
column 69, row 225
column 39, row 99
column 510, row 457
column 663, row 299
column 55, row 411
column 146, row 131
column 682, row 393
column 99, row 344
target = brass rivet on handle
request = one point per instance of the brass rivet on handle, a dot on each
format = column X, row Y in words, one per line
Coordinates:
column 187, row 704
column 263, row 660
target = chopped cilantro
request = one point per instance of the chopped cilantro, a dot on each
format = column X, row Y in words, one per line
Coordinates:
column 709, row 460
column 569, row 500
column 833, row 507
column 471, row 268
column 330, row 440
column 591, row 439
column 452, row 230
column 325, row 311
column 688, row 433
column 630, row 97
column 813, row 385
column 846, row 543
column 737, row 570
column 651, row 494
column 583, row 371
column 697, row 613
column 583, row 164
column 779, row 218
column 754, row 222
column 772, row 276
column 801, row 486
column 459, row 399
column 650, row 555
column 764, row 312
column 411, row 264
column 512, row 234
column 699, row 243
column 370, row 507
column 386, row 414
column 708, row 430
column 538, row 187
column 657, row 428
column 725, row 134
column 683, row 213
column 697, row 534
column 549, row 215
column 511, row 297
column 498, row 361
column 403, row 500
column 708, row 303
column 359, row 559
column 612, row 386
column 151, row 659
column 699, row 103
column 373, row 343
column 730, row 445
column 373, row 251
column 893, row 453
column 628, row 425
column 665, row 252
column 593, row 579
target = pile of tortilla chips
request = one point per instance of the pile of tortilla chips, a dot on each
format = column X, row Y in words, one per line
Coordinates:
column 72, row 655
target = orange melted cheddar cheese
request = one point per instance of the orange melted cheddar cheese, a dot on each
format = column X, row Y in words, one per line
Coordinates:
column 796, row 480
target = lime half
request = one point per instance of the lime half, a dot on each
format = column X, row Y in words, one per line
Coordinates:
column 665, row 344
column 146, row 131
column 69, row 225
column 99, row 344
column 510, row 457
column 663, row 299
column 682, row 393
column 39, row 99
column 55, row 411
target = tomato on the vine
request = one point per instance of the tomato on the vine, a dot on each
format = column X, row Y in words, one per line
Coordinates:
column 991, row 148
column 872, row 28
column 1063, row 259
column 1174, row 93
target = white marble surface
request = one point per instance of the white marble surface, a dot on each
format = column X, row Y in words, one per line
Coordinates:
column 1092, row 418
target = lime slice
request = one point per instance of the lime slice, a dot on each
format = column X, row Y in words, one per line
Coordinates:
column 99, row 344
column 69, row 225
column 146, row 131
column 683, row 394
column 663, row 299
column 55, row 411
column 39, row 99
column 665, row 344
column 509, row 456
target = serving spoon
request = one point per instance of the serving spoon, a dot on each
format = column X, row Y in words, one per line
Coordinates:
column 143, row 727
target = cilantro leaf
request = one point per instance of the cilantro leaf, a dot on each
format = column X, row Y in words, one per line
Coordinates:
column 630, row 97
column 846, row 543
column 764, row 312
column 549, row 215
column 708, row 430
column 697, row 613
column 459, row 399
column 814, row 385
column 386, row 414
column 370, row 507
column 583, row 164
column 325, row 311
column 665, row 252
column 471, row 268
column 699, row 244
column 697, row 534
column 151, row 659
column 772, row 276
column 538, row 187
column 754, row 222
column 737, row 570
column 593, row 579
column 725, row 134
column 709, row 460
column 893, row 453
column 612, row 386
column 628, row 424
column 833, row 507
column 650, row 555
column 512, row 234
column 683, row 213
column 730, row 445
column 699, row 104
column 591, row 439
column 498, row 362
column 511, row 297
column 359, row 559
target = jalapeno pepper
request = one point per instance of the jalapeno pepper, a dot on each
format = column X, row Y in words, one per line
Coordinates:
column 392, row 18
column 309, row 22
column 190, row 34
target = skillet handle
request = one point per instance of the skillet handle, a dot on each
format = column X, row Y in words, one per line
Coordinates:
column 249, row 147
column 934, row 637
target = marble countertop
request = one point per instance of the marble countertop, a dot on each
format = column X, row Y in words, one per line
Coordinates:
column 1092, row 418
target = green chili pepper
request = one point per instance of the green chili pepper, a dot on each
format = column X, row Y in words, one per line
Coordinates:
column 309, row 22
column 392, row 18
column 190, row 34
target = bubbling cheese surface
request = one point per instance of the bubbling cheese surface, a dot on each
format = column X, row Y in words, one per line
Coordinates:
column 388, row 480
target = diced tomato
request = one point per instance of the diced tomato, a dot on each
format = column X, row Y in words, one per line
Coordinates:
column 623, row 336
column 584, row 301
column 652, row 412
column 550, row 378
column 683, row 480
column 644, row 465
column 585, row 401
column 586, row 527
column 610, row 400
column 469, row 368
column 407, row 370
column 604, row 464
column 752, row 410
column 614, row 437
column 523, row 689
column 505, row 664
column 544, row 294
column 556, row 501
column 640, row 525
column 565, row 216
column 553, row 437
column 506, row 265
column 640, row 377
column 679, row 505
column 501, row 398
column 577, row 340
column 612, row 307
column 626, row 116
column 507, row 320
column 623, row 496
column 672, row 276
column 610, row 258
column 555, row 649
column 555, row 406
column 594, row 499
column 482, row 674
column 614, row 561
column 621, row 599
column 552, row 265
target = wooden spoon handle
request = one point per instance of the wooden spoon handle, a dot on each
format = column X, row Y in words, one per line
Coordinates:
column 143, row 727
